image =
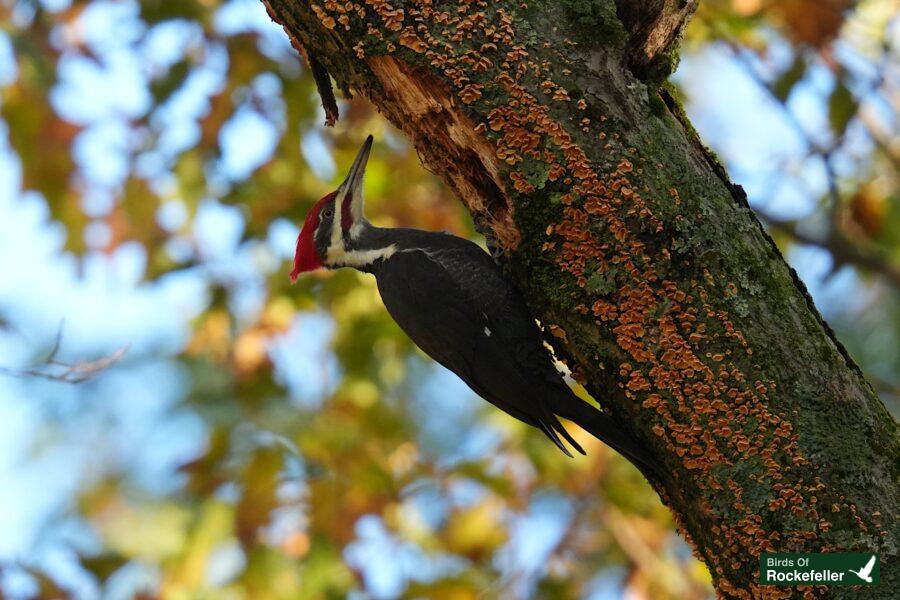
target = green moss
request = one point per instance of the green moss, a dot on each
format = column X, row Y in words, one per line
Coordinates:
column 602, row 283
column 662, row 66
column 535, row 172
column 590, row 22
column 657, row 106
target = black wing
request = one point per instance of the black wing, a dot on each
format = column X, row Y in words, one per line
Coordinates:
column 454, row 304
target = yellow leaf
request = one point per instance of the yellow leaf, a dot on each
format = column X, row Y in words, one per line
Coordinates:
column 476, row 531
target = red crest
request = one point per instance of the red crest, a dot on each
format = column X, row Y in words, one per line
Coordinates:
column 307, row 258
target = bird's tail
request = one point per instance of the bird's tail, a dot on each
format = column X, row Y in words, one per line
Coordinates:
column 610, row 432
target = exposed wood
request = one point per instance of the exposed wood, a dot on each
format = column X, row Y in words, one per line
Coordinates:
column 423, row 106
column 654, row 27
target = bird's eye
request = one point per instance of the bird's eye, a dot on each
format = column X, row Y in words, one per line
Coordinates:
column 327, row 213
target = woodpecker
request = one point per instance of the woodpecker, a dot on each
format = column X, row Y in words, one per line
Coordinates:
column 450, row 298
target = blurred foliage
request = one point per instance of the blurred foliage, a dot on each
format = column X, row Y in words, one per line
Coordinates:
column 306, row 494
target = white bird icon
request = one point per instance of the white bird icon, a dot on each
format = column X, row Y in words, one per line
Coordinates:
column 866, row 572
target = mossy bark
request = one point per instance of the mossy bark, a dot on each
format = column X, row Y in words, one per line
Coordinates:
column 656, row 282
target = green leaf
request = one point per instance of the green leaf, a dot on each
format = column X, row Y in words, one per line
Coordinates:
column 163, row 87
column 154, row 11
column 786, row 82
column 103, row 565
column 842, row 107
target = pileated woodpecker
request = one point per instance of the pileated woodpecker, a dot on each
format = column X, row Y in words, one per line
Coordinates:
column 449, row 296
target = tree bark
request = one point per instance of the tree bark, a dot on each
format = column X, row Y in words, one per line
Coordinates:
column 660, row 288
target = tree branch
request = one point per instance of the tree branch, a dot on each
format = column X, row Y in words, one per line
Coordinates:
column 842, row 250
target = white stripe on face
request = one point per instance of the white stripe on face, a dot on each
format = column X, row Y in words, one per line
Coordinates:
column 337, row 254
column 337, row 230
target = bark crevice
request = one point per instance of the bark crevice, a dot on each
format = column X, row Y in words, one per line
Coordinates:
column 654, row 28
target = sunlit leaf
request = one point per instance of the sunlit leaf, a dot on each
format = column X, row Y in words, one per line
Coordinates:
column 478, row 530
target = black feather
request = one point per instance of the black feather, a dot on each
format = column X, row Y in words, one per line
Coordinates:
column 449, row 296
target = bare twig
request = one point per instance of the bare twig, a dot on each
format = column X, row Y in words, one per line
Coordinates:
column 54, row 369
column 326, row 92
column 842, row 250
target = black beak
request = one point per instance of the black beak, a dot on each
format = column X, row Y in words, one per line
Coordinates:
column 355, row 176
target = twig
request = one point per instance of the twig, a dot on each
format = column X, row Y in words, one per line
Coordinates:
column 326, row 92
column 842, row 250
column 54, row 369
column 320, row 76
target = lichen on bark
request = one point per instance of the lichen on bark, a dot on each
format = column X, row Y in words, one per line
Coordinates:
column 662, row 292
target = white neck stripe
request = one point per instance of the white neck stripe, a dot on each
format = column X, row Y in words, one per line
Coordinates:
column 338, row 257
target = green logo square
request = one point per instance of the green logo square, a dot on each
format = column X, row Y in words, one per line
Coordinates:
column 830, row 568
